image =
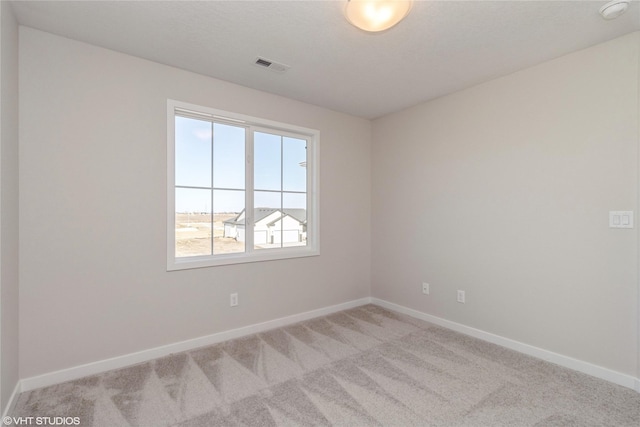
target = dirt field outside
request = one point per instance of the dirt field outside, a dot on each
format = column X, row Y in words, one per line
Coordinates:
column 193, row 235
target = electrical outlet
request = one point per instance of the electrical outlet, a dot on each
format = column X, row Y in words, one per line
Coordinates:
column 233, row 299
column 425, row 288
column 461, row 297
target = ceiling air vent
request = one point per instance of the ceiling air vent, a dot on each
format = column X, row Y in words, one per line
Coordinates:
column 271, row 65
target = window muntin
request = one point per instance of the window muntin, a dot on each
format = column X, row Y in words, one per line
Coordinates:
column 209, row 185
column 240, row 189
column 280, row 184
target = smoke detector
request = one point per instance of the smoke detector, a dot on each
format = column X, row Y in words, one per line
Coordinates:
column 614, row 8
column 271, row 65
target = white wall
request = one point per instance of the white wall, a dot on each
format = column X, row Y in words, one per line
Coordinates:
column 93, row 279
column 8, row 203
column 503, row 190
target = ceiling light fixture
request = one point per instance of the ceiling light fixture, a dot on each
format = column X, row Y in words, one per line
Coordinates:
column 376, row 15
column 614, row 8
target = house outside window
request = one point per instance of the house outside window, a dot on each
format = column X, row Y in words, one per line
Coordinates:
column 240, row 189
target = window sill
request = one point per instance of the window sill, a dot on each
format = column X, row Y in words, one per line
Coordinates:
column 230, row 259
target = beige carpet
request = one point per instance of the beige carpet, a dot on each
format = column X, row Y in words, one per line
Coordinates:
column 362, row 367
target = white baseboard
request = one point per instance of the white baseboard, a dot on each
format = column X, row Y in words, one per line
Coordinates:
column 146, row 355
column 101, row 366
column 549, row 356
column 12, row 400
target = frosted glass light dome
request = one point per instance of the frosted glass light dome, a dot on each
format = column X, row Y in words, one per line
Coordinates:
column 614, row 8
column 376, row 15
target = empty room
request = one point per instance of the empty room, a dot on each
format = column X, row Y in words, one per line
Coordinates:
column 332, row 212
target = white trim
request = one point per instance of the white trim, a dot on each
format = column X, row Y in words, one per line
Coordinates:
column 242, row 258
column 150, row 354
column 637, row 234
column 171, row 179
column 13, row 399
column 93, row 368
column 251, row 125
column 549, row 356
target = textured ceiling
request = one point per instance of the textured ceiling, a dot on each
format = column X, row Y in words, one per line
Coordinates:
column 441, row 47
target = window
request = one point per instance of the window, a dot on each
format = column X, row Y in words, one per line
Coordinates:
column 240, row 189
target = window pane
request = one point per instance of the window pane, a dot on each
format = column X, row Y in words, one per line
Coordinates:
column 193, row 152
column 294, row 164
column 209, row 223
column 294, row 224
column 266, row 154
column 229, row 223
column 193, row 222
column 266, row 215
column 228, row 156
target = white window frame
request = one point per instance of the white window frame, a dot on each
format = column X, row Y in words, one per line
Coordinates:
column 252, row 124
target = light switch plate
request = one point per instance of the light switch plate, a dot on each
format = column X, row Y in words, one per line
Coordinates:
column 620, row 219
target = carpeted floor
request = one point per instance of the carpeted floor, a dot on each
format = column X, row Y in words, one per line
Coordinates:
column 362, row 367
